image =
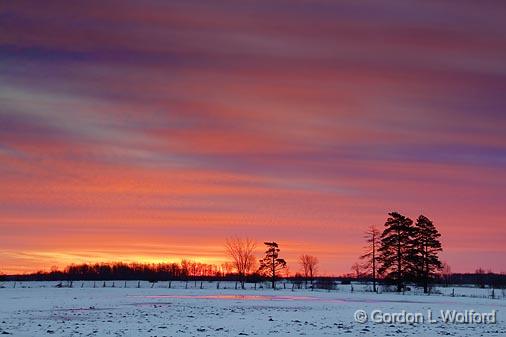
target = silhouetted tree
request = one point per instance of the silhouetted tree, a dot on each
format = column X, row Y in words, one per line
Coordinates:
column 297, row 281
column 241, row 253
column 371, row 256
column 480, row 277
column 426, row 247
column 396, row 249
column 185, row 269
column 194, row 271
column 446, row 273
column 271, row 264
column 309, row 265
column 357, row 270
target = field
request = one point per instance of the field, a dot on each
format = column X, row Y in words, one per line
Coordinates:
column 40, row 309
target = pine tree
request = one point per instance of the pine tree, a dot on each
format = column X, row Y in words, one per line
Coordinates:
column 271, row 264
column 371, row 255
column 396, row 249
column 426, row 247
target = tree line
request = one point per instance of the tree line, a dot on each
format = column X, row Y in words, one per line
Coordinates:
column 242, row 267
column 405, row 251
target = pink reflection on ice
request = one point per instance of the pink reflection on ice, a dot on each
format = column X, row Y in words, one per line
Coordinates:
column 292, row 298
column 238, row 297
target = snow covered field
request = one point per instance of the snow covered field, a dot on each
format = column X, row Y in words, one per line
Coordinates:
column 39, row 309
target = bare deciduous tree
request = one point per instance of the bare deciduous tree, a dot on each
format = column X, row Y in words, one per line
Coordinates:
column 357, row 270
column 446, row 273
column 371, row 256
column 309, row 266
column 241, row 253
column 227, row 268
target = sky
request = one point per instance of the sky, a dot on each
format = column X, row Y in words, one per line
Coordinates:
column 152, row 130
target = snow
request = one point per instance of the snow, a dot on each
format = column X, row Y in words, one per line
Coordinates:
column 40, row 309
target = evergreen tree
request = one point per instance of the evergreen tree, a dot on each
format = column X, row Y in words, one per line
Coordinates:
column 426, row 248
column 396, row 249
column 271, row 264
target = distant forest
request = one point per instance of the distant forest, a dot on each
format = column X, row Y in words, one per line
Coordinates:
column 194, row 271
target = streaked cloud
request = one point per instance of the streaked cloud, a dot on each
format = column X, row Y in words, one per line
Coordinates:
column 298, row 121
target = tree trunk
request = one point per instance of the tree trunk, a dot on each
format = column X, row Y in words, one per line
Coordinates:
column 399, row 280
column 273, row 273
column 373, row 263
column 426, row 272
